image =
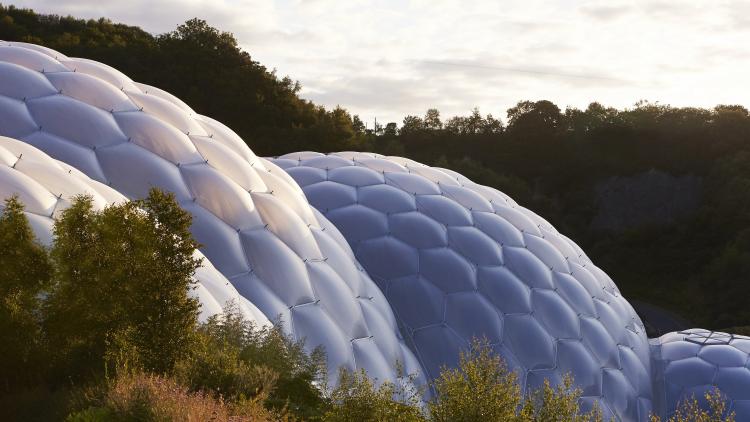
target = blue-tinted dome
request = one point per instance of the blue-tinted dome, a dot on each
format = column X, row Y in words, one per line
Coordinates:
column 691, row 363
column 458, row 260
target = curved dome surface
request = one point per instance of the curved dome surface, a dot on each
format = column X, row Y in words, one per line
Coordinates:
column 254, row 221
column 46, row 186
column 458, row 260
column 693, row 362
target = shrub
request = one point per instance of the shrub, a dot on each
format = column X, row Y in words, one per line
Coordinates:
column 557, row 404
column 357, row 398
column 142, row 397
column 481, row 388
column 239, row 360
column 691, row 411
column 215, row 363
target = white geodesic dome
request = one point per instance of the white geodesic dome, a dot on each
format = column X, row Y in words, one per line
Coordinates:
column 254, row 222
column 458, row 260
column 46, row 187
column 688, row 364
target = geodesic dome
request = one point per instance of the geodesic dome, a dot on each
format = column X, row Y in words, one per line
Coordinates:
column 458, row 260
column 46, row 187
column 690, row 363
column 254, row 222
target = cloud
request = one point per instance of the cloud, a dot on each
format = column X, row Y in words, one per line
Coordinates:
column 389, row 58
column 606, row 12
column 532, row 71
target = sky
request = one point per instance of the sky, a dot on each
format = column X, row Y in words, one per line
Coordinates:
column 387, row 59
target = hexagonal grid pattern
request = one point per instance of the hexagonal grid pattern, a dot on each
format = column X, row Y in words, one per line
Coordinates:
column 458, row 260
column 690, row 363
column 253, row 220
column 46, row 186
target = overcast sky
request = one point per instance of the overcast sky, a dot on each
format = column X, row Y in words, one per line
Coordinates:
column 387, row 59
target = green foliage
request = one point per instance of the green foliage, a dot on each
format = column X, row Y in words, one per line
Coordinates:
column 481, row 388
column 121, row 286
column 215, row 364
column 358, row 398
column 558, row 404
column 25, row 272
column 92, row 414
column 690, row 410
column 239, row 360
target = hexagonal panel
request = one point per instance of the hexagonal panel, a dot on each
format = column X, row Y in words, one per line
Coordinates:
column 536, row 348
column 472, row 316
column 447, row 270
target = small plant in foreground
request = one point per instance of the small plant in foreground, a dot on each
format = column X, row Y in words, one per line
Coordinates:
column 358, row 398
column 690, row 410
column 482, row 388
column 239, row 360
column 144, row 397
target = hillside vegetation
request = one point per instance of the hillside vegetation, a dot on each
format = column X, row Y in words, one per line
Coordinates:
column 658, row 196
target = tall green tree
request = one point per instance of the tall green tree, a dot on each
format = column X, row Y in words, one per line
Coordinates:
column 25, row 273
column 121, row 290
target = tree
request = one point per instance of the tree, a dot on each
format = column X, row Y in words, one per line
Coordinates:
column 391, row 129
column 475, row 122
column 540, row 118
column 411, row 125
column 25, row 273
column 456, row 125
column 492, row 125
column 432, row 119
column 121, row 286
column 358, row 125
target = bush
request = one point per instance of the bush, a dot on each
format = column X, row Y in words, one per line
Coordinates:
column 691, row 411
column 143, row 397
column 481, row 388
column 557, row 404
column 239, row 360
column 215, row 364
column 357, row 398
